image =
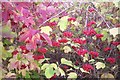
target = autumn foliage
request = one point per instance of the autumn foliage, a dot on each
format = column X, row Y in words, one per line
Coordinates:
column 60, row 40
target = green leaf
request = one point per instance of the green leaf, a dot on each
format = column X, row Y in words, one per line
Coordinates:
column 9, row 55
column 98, row 30
column 49, row 72
column 35, row 75
column 100, row 65
column 72, row 75
column 44, row 66
column 7, row 31
column 5, row 54
column 53, row 65
column 7, row 27
column 63, row 23
column 46, row 29
column 66, row 62
column 18, row 56
column 91, row 61
column 6, row 42
column 27, row 75
column 76, row 67
column 105, row 35
column 109, row 16
column 54, row 19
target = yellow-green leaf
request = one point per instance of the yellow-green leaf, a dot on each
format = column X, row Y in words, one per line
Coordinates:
column 76, row 67
column 27, row 75
column 54, row 19
column 5, row 54
column 91, row 61
column 7, row 31
column 85, row 58
column 49, row 72
column 107, row 75
column 11, row 49
column 72, row 75
column 105, row 33
column 63, row 23
column 42, row 60
column 46, row 29
column 98, row 30
column 61, row 72
column 82, row 70
column 66, row 62
column 100, row 65
column 53, row 65
column 44, row 66
column 67, row 49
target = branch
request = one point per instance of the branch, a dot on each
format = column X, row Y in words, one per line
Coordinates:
column 56, row 15
column 86, row 16
column 100, row 15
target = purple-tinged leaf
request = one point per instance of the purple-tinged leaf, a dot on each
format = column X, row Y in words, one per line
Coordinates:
column 25, row 12
column 28, row 34
column 46, row 37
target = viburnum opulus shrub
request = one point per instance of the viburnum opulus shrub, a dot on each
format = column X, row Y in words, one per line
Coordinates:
column 60, row 40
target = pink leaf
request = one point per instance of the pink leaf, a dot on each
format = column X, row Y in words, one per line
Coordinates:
column 5, row 16
column 28, row 34
column 29, row 46
column 25, row 12
column 46, row 37
column 29, row 21
column 50, row 9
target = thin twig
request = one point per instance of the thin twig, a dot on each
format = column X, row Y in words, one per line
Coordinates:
column 56, row 15
column 100, row 15
column 86, row 16
column 103, row 19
